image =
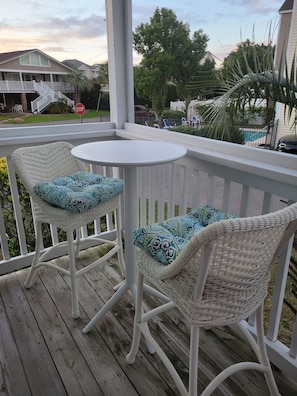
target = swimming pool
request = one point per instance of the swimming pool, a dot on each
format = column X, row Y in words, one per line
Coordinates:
column 250, row 136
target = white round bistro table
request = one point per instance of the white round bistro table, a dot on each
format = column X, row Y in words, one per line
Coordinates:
column 127, row 154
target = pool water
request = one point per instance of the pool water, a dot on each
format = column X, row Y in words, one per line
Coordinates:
column 251, row 136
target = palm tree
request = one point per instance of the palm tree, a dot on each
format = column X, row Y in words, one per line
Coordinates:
column 269, row 82
column 79, row 83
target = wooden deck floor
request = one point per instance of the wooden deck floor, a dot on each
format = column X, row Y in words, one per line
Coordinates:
column 44, row 352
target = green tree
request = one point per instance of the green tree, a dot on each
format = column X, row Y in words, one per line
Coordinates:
column 190, row 66
column 169, row 55
column 103, row 75
column 247, row 57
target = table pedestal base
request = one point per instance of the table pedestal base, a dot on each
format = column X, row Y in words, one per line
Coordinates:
column 121, row 289
column 108, row 305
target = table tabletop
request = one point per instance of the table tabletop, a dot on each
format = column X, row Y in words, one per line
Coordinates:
column 129, row 152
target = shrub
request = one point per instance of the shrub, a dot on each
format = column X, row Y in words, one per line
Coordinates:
column 60, row 107
column 188, row 130
column 234, row 135
column 8, row 214
column 174, row 116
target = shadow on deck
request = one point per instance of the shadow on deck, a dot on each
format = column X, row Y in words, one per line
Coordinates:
column 44, row 352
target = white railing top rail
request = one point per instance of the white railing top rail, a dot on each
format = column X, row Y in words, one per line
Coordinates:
column 13, row 137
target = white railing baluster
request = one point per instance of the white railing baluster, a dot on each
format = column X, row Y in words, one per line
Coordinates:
column 162, row 171
column 279, row 292
column 3, row 238
column 211, row 196
column 293, row 347
column 17, row 207
column 267, row 203
column 227, row 196
column 54, row 234
column 141, row 194
column 184, row 189
column 246, row 204
column 197, row 189
column 173, row 182
column 151, row 194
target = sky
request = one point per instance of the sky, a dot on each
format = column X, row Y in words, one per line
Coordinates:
column 67, row 29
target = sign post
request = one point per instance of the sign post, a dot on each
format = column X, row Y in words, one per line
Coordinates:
column 80, row 110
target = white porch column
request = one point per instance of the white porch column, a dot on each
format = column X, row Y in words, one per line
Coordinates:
column 287, row 20
column 52, row 81
column 120, row 61
column 21, row 81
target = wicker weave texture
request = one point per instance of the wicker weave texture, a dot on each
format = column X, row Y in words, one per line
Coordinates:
column 47, row 162
column 221, row 276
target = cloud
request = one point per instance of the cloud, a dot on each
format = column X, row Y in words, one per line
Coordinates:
column 92, row 26
column 258, row 7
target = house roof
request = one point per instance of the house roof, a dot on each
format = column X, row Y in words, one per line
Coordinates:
column 287, row 6
column 7, row 56
column 80, row 65
column 75, row 62
column 94, row 67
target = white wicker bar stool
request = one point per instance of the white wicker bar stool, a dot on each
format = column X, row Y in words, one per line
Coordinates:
column 50, row 162
column 219, row 278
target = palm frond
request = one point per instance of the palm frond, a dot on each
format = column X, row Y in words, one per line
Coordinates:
column 266, row 83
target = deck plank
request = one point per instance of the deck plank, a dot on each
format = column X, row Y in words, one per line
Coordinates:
column 36, row 360
column 73, row 369
column 13, row 379
column 43, row 350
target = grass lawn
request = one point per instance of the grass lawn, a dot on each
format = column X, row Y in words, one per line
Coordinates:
column 20, row 118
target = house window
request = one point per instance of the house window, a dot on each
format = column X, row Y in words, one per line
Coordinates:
column 44, row 61
column 34, row 59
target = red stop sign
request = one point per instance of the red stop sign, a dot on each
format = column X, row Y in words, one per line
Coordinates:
column 79, row 109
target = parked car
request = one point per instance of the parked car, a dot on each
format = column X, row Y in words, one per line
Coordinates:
column 143, row 114
column 288, row 144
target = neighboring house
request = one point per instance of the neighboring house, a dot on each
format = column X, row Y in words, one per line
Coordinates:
column 286, row 46
column 30, row 80
column 89, row 71
column 208, row 56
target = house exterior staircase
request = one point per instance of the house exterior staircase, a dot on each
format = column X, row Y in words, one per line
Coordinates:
column 47, row 96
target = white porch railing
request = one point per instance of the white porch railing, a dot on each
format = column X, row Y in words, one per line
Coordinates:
column 9, row 86
column 241, row 180
column 47, row 96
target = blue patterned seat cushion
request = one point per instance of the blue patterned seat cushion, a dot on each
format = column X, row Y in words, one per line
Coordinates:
column 164, row 241
column 80, row 191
